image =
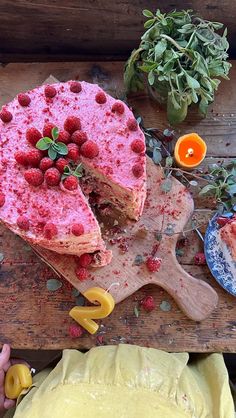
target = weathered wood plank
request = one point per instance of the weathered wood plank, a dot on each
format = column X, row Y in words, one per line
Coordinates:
column 75, row 27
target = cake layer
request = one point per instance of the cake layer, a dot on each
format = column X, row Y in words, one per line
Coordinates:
column 46, row 215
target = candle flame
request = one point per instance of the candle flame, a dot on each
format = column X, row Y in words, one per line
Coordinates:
column 190, row 153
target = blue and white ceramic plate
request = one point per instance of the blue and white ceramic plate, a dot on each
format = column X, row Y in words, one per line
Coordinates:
column 218, row 258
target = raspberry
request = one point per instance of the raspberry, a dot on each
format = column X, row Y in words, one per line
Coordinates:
column 23, row 223
column 199, row 259
column 137, row 170
column 2, row 199
column 222, row 221
column 118, row 107
column 47, row 129
column 132, row 124
column 77, row 229
column 52, row 176
column 71, row 183
column 85, row 260
column 50, row 91
column 21, row 158
column 100, row 97
column 61, row 163
column 81, row 273
column 89, row 149
column 5, row 115
column 75, row 331
column 34, row 157
column 148, row 303
column 153, row 264
column 23, row 99
column 34, row 176
column 64, row 137
column 73, row 152
column 79, row 137
column 49, row 230
column 138, row 146
column 72, row 124
column 46, row 163
column 75, row 87
column 33, row 136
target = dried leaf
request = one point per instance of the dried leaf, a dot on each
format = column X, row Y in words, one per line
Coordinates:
column 136, row 311
column 165, row 306
column 53, row 285
column 138, row 260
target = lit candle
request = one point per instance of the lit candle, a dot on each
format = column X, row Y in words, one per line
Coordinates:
column 18, row 377
column 84, row 315
column 190, row 151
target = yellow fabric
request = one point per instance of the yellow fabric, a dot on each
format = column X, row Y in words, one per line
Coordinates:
column 131, row 382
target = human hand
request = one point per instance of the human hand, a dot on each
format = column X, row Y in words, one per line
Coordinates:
column 5, row 363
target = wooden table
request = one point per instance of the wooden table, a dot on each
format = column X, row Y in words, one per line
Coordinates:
column 31, row 317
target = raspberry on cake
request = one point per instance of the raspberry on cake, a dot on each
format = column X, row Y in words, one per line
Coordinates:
column 98, row 131
column 33, row 135
column 71, row 183
column 24, row 99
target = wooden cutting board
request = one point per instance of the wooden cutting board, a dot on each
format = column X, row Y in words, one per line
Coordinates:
column 163, row 211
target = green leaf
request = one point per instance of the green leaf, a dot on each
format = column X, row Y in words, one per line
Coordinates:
column 166, row 185
column 192, row 82
column 160, row 48
column 169, row 161
column 44, row 143
column 209, row 188
column 53, row 285
column 203, row 107
column 157, row 157
column 55, row 133
column 231, row 189
column 62, row 148
column 52, row 153
column 151, row 78
column 147, row 13
column 149, row 23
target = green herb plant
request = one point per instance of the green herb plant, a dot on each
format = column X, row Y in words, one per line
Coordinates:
column 180, row 57
column 55, row 149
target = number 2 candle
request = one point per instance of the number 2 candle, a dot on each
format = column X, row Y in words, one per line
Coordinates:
column 84, row 315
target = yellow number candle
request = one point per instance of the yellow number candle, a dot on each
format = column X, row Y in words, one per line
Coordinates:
column 84, row 315
column 190, row 151
column 18, row 377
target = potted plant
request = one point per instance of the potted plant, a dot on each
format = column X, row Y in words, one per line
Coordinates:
column 180, row 58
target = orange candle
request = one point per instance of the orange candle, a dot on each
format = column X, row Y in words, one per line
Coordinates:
column 190, row 151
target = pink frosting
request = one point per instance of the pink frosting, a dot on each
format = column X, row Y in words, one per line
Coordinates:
column 50, row 204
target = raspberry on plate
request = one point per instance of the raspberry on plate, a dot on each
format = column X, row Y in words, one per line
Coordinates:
column 153, row 264
column 81, row 273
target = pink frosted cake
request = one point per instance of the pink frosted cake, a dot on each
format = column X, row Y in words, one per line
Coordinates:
column 41, row 199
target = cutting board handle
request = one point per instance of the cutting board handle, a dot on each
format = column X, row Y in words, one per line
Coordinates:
column 194, row 297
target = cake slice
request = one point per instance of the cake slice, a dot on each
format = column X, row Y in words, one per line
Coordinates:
column 228, row 235
column 40, row 202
